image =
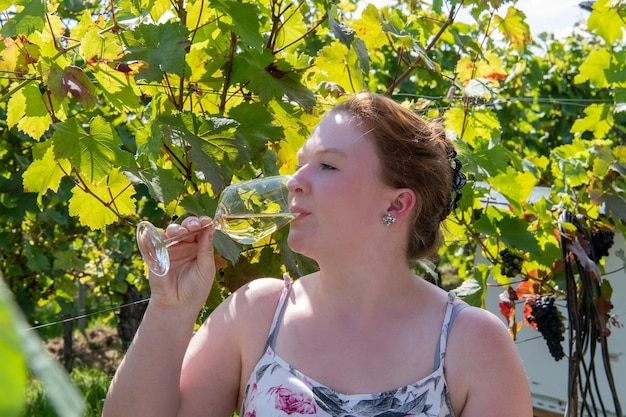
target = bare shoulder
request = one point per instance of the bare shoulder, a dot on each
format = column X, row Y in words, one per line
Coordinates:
column 249, row 309
column 481, row 335
column 224, row 350
column 474, row 321
column 483, row 368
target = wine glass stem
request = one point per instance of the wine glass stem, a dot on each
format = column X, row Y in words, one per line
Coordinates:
column 171, row 241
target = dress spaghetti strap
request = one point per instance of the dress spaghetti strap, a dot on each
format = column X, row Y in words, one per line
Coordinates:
column 280, row 311
column 452, row 310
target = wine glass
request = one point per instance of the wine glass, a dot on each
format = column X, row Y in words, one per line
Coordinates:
column 246, row 211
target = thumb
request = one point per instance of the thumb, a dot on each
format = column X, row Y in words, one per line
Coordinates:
column 206, row 261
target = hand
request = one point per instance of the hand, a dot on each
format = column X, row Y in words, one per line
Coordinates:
column 192, row 267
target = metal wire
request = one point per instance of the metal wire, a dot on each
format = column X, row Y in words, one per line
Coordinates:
column 94, row 313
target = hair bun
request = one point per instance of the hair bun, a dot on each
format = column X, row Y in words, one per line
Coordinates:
column 458, row 181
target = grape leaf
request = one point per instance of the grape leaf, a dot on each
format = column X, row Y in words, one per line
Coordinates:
column 120, row 90
column 606, row 21
column 28, row 111
column 476, row 127
column 98, row 46
column 245, row 17
column 162, row 46
column 603, row 160
column 341, row 31
column 68, row 260
column 491, row 68
column 227, row 247
column 161, row 183
column 514, row 28
column 612, row 200
column 598, row 120
column 341, row 64
column 471, row 291
column 30, row 19
column 270, row 78
column 37, row 260
column 115, row 191
column 515, row 186
column 514, row 233
column 298, row 265
column 619, row 163
column 594, row 69
column 72, row 80
column 256, row 125
column 214, row 148
column 369, row 29
column 45, row 174
column 94, row 153
column 484, row 160
column 18, row 54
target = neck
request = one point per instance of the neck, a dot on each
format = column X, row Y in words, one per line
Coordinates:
column 366, row 288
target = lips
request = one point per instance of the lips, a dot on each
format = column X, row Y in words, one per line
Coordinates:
column 299, row 211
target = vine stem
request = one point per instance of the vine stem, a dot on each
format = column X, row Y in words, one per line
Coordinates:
column 80, row 182
column 432, row 43
column 228, row 72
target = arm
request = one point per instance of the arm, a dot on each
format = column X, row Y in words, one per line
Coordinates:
column 484, row 370
column 147, row 381
column 224, row 351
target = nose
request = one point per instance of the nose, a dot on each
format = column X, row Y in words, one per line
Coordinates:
column 297, row 184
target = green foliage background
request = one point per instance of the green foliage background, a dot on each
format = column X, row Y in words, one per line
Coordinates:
column 112, row 112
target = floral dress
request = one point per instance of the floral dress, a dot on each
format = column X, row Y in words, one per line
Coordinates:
column 276, row 389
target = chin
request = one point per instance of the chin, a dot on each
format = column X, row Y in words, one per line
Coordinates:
column 297, row 243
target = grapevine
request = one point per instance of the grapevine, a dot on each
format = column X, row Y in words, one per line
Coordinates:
column 601, row 241
column 549, row 323
column 511, row 263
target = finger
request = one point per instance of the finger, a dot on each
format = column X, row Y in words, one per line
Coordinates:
column 191, row 223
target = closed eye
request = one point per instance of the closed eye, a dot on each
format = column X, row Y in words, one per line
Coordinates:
column 327, row 167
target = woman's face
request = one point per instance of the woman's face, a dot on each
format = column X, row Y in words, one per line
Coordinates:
column 337, row 189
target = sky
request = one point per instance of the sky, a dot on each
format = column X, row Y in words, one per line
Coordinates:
column 555, row 16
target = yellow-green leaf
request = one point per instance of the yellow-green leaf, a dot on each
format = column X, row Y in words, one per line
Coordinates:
column 341, row 65
column 514, row 186
column 369, row 29
column 27, row 111
column 606, row 21
column 514, row 28
column 45, row 174
column 29, row 19
column 475, row 126
column 116, row 191
column 571, row 162
column 94, row 153
column 598, row 120
column 594, row 69
column 120, row 90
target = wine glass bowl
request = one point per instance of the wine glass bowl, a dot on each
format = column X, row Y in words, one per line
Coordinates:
column 247, row 212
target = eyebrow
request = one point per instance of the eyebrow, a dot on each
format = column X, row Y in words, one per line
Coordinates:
column 326, row 151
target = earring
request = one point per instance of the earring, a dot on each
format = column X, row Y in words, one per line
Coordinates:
column 388, row 219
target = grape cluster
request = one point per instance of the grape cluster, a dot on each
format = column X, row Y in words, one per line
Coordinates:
column 545, row 315
column 601, row 240
column 511, row 264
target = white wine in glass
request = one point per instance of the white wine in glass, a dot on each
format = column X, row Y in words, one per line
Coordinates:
column 246, row 211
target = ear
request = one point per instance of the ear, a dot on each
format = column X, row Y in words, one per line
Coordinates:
column 403, row 204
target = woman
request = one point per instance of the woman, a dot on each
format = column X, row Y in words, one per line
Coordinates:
column 363, row 336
